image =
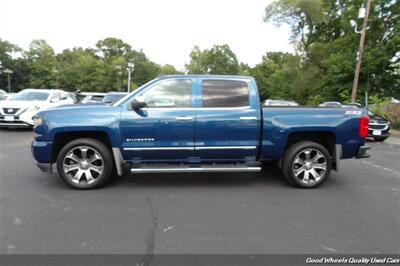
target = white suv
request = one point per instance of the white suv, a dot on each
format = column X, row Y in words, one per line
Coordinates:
column 18, row 111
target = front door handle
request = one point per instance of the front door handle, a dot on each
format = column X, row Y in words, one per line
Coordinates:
column 184, row 118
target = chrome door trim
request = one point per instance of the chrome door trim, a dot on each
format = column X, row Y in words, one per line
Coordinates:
column 248, row 118
column 184, row 118
column 158, row 148
column 225, row 147
column 190, row 148
column 195, row 108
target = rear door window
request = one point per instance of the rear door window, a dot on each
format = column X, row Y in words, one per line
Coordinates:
column 225, row 93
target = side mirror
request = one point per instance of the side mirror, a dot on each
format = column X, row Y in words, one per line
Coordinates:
column 136, row 106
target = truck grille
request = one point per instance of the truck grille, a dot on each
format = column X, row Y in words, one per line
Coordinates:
column 377, row 126
column 10, row 111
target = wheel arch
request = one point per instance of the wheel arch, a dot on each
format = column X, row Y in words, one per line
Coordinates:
column 325, row 138
column 62, row 138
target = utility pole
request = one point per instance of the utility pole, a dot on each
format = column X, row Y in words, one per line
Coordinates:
column 119, row 73
column 129, row 69
column 360, row 52
column 8, row 72
column 55, row 72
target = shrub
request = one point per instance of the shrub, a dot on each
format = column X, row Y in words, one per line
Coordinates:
column 390, row 111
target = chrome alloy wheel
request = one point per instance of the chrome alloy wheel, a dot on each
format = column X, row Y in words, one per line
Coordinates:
column 83, row 164
column 309, row 166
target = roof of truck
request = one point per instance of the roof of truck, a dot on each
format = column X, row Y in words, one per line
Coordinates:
column 203, row 76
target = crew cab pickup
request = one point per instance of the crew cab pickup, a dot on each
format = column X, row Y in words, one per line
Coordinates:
column 196, row 123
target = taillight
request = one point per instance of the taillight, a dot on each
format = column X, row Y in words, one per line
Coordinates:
column 363, row 127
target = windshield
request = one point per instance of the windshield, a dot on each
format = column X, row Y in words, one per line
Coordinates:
column 30, row 96
column 129, row 94
column 112, row 98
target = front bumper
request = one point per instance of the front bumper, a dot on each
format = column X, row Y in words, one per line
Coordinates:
column 362, row 152
column 42, row 151
column 379, row 130
column 45, row 167
column 14, row 123
column 382, row 134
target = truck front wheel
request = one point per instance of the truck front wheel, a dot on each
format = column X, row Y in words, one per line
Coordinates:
column 85, row 163
column 306, row 164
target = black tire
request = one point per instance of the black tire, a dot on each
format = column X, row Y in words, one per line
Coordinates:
column 380, row 139
column 93, row 145
column 296, row 149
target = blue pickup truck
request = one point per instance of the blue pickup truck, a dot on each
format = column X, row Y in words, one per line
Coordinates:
column 196, row 123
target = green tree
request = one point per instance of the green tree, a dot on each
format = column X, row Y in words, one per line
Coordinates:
column 145, row 70
column 109, row 48
column 80, row 69
column 336, row 44
column 11, row 58
column 169, row 70
column 218, row 60
column 301, row 15
column 282, row 76
column 328, row 44
column 42, row 63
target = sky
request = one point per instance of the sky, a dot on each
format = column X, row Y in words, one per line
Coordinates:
column 166, row 30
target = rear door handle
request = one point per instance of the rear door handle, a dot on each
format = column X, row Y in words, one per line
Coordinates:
column 248, row 118
column 184, row 118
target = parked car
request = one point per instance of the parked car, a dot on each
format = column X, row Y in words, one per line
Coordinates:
column 270, row 102
column 9, row 95
column 93, row 97
column 331, row 104
column 216, row 124
column 378, row 127
column 73, row 96
column 18, row 111
column 113, row 97
column 354, row 104
column 3, row 95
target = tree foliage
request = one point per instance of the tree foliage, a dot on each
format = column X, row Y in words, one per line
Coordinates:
column 328, row 44
column 78, row 68
column 218, row 60
column 301, row 15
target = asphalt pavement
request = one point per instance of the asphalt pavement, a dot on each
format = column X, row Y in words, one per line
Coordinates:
column 356, row 211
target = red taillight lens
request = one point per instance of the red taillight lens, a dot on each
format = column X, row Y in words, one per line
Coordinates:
column 363, row 128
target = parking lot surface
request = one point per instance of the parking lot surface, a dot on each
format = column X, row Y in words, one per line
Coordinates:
column 356, row 211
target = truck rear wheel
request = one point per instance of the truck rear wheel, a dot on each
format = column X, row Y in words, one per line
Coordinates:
column 306, row 164
column 85, row 163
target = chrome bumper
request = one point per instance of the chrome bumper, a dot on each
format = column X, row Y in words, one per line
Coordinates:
column 15, row 124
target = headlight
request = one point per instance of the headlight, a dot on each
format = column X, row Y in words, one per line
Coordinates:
column 37, row 121
column 33, row 109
